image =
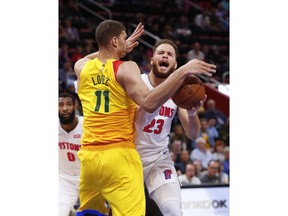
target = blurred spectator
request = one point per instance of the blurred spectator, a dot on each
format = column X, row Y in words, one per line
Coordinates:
column 64, row 54
column 220, row 11
column 180, row 4
column 145, row 62
column 176, row 147
column 219, row 59
column 212, row 130
column 168, row 33
column 78, row 54
column 224, row 177
column 62, row 9
column 73, row 11
column 202, row 20
column 62, row 33
column 140, row 18
column 199, row 167
column 179, row 134
column 211, row 110
column 212, row 173
column 78, row 107
column 70, row 31
column 184, row 160
column 152, row 26
column 145, row 67
column 225, row 5
column 207, row 53
column 201, row 153
column 182, row 29
column 218, row 153
column 226, row 161
column 205, row 134
column 224, row 21
column 64, row 73
column 176, row 165
column 70, row 74
column 155, row 29
column 89, row 47
column 205, row 4
column 224, row 132
column 195, row 52
column 190, row 176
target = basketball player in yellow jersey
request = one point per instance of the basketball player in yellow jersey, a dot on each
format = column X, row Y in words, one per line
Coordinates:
column 109, row 90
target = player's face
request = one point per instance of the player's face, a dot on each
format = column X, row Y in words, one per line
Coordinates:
column 121, row 41
column 66, row 110
column 164, row 61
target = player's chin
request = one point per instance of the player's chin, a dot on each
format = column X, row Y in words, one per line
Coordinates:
column 162, row 75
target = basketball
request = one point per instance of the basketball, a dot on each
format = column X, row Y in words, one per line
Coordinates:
column 190, row 93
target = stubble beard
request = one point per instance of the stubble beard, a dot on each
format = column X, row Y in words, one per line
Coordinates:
column 159, row 74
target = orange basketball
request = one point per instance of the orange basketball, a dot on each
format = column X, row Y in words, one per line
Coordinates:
column 190, row 93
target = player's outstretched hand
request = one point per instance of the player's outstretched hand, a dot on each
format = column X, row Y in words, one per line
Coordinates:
column 197, row 66
column 193, row 110
column 132, row 42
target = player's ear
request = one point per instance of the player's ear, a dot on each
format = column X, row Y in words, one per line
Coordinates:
column 114, row 41
column 151, row 61
column 175, row 65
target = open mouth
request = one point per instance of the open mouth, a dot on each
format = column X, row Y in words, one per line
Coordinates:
column 163, row 64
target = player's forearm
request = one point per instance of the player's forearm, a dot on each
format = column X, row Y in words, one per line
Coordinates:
column 190, row 122
column 193, row 127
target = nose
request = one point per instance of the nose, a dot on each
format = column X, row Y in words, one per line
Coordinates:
column 64, row 107
column 165, row 56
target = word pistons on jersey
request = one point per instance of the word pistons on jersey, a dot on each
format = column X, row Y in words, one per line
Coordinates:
column 166, row 111
column 167, row 174
column 70, row 146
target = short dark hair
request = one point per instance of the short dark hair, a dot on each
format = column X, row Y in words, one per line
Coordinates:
column 108, row 29
column 213, row 160
column 166, row 41
column 65, row 95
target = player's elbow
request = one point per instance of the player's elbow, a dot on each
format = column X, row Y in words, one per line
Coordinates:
column 192, row 135
column 149, row 108
column 77, row 67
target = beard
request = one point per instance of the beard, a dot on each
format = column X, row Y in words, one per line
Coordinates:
column 67, row 120
column 159, row 74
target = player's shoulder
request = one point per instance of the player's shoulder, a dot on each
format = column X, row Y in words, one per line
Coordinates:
column 80, row 118
column 129, row 64
column 128, row 68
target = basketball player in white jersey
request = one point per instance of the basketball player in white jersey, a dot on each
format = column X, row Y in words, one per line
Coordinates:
column 70, row 131
column 153, row 130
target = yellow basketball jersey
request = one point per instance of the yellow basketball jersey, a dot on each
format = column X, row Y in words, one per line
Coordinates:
column 108, row 111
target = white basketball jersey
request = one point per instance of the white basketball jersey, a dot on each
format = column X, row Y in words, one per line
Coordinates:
column 153, row 129
column 68, row 146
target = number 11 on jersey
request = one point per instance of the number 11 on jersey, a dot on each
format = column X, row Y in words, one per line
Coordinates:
column 99, row 95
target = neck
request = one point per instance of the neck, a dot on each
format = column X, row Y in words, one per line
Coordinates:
column 106, row 54
column 155, row 81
